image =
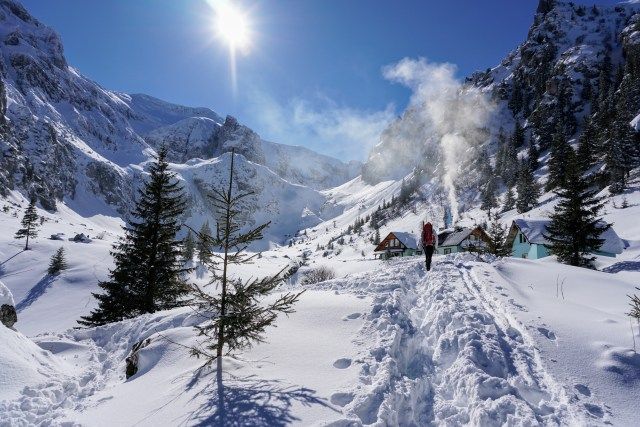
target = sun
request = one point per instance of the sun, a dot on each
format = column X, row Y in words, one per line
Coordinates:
column 232, row 26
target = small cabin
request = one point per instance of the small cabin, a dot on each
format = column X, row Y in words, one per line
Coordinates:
column 526, row 238
column 462, row 240
column 397, row 244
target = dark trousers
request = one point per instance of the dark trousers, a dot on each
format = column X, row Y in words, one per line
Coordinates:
column 428, row 253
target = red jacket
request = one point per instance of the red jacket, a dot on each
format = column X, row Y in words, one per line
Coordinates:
column 428, row 236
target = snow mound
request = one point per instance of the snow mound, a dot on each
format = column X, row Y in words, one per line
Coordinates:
column 5, row 295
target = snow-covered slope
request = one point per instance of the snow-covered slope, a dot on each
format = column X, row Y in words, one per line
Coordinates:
column 66, row 139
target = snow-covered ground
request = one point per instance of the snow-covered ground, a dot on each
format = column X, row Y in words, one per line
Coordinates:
column 385, row 343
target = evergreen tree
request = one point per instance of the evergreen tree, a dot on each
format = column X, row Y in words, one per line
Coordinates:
column 532, row 156
column 376, row 239
column 518, row 137
column 148, row 272
column 575, row 228
column 635, row 307
column 235, row 317
column 527, row 189
column 57, row 262
column 202, row 243
column 488, row 195
column 188, row 246
column 509, row 200
column 29, row 224
column 497, row 239
column 587, row 147
column 558, row 154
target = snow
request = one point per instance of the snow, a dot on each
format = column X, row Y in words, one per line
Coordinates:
column 5, row 295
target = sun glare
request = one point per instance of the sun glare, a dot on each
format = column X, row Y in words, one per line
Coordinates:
column 233, row 26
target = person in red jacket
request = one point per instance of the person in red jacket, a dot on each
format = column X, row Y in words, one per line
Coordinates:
column 428, row 243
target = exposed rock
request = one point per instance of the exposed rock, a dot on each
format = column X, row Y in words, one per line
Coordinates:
column 8, row 315
column 132, row 359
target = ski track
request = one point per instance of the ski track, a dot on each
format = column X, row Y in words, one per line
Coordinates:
column 438, row 348
column 448, row 353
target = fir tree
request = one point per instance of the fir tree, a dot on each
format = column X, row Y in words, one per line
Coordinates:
column 188, row 246
column 532, row 156
column 635, row 307
column 497, row 239
column 518, row 137
column 29, row 224
column 527, row 189
column 376, row 239
column 509, row 200
column 558, row 154
column 489, row 195
column 57, row 262
column 235, row 317
column 587, row 147
column 575, row 228
column 148, row 272
column 202, row 243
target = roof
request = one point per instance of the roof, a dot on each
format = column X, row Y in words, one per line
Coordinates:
column 534, row 230
column 407, row 239
column 454, row 238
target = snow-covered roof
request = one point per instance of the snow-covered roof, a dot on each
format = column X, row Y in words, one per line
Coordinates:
column 407, row 239
column 535, row 229
column 456, row 237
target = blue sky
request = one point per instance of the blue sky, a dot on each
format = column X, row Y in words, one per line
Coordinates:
column 313, row 73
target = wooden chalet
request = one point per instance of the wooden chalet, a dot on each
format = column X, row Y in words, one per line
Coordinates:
column 397, row 244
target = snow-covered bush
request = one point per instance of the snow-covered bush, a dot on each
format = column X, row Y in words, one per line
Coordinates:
column 8, row 316
column 317, row 275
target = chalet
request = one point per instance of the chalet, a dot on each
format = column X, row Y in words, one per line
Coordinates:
column 461, row 240
column 526, row 238
column 397, row 244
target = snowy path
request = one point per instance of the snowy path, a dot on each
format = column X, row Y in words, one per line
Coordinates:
column 437, row 348
column 446, row 352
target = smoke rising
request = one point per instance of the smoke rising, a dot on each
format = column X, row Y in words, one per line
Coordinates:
column 452, row 117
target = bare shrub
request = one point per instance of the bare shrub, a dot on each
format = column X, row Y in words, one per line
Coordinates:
column 317, row 275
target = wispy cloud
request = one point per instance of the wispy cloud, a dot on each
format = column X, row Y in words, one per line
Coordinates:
column 320, row 123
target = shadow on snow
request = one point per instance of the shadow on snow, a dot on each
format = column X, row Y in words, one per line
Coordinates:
column 249, row 401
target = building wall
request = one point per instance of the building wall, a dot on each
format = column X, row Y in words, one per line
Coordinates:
column 520, row 247
column 444, row 250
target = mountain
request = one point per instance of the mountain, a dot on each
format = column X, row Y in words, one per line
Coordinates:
column 574, row 80
column 65, row 138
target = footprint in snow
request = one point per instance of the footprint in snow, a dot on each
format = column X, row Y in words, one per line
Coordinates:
column 352, row 316
column 547, row 333
column 583, row 389
column 594, row 410
column 341, row 399
column 343, row 363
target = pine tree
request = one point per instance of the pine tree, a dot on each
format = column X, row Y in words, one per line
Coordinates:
column 29, row 224
column 518, row 137
column 202, row 243
column 497, row 239
column 376, row 239
column 575, row 228
column 532, row 156
column 188, row 246
column 57, row 262
column 509, row 200
column 527, row 189
column 558, row 154
column 488, row 195
column 587, row 147
column 148, row 272
column 235, row 317
column 635, row 307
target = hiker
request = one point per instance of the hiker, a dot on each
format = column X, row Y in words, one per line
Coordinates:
column 428, row 243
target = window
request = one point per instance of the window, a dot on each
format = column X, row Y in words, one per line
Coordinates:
column 522, row 238
column 447, row 251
